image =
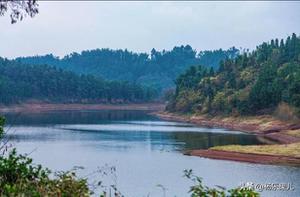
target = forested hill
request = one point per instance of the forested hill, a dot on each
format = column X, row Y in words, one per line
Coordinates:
column 251, row 83
column 19, row 83
column 158, row 69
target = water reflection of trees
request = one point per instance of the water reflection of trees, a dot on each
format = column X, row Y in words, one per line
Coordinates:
column 197, row 140
column 75, row 117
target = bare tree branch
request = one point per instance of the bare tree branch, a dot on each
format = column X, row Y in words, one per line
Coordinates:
column 18, row 9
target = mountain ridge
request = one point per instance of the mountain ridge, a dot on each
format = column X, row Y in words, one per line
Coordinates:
column 158, row 69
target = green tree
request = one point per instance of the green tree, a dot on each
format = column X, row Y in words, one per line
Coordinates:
column 250, row 83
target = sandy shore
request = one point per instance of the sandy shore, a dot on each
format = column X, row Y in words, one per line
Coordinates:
column 37, row 107
column 265, row 126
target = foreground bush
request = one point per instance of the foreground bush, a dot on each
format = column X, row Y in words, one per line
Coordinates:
column 200, row 190
column 20, row 177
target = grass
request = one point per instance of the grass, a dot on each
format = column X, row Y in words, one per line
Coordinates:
column 277, row 149
column 295, row 133
column 263, row 121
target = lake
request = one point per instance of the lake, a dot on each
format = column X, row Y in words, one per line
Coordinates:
column 147, row 152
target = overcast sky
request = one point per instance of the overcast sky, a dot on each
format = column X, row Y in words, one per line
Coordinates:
column 64, row 27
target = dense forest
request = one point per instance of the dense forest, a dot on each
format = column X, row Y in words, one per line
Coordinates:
column 19, row 82
column 158, row 69
column 252, row 83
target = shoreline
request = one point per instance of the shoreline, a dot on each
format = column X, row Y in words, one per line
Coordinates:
column 45, row 107
column 246, row 157
column 265, row 126
column 274, row 129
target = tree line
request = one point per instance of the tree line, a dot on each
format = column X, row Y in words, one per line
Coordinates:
column 158, row 69
column 251, row 83
column 20, row 82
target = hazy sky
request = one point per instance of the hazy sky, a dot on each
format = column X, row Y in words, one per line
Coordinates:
column 64, row 27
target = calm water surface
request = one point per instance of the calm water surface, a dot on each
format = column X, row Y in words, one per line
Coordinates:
column 146, row 151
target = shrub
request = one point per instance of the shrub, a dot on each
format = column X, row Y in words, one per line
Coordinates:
column 187, row 101
column 285, row 112
column 20, row 177
column 200, row 190
column 2, row 121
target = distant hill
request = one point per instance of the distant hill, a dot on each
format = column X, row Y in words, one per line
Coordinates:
column 158, row 69
column 251, row 83
column 20, row 83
